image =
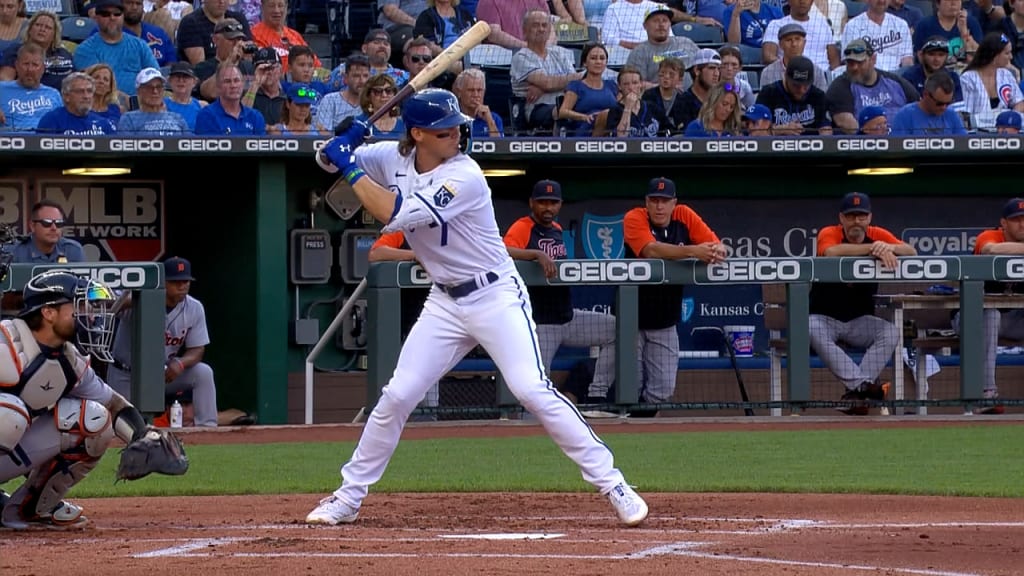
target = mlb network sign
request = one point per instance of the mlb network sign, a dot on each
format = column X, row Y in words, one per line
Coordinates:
column 740, row 271
column 907, row 268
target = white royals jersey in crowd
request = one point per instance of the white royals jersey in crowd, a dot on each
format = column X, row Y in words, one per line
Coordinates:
column 468, row 242
column 891, row 39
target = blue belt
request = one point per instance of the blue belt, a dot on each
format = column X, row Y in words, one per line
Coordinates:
column 468, row 287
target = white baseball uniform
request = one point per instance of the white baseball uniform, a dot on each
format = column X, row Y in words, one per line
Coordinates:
column 478, row 297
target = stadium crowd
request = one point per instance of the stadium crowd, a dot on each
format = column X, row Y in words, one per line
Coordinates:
column 623, row 68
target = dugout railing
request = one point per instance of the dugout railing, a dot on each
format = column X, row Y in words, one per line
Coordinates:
column 386, row 280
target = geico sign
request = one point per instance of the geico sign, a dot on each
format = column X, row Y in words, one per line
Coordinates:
column 126, row 277
column 733, row 146
column 665, row 146
column 605, row 271
column 1014, row 268
column 8, row 143
column 205, row 145
column 600, row 146
column 798, row 145
column 67, row 144
column 905, row 269
column 740, row 270
column 853, row 144
column 532, row 147
column 132, row 145
column 929, row 144
column 271, row 145
column 418, row 276
column 483, row 146
column 993, row 144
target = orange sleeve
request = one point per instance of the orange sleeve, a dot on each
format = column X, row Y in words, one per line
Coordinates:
column 391, row 240
column 518, row 235
column 636, row 229
column 988, row 237
column 828, row 237
column 883, row 235
column 700, row 232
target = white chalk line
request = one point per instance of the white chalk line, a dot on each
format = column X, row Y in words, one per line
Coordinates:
column 859, row 567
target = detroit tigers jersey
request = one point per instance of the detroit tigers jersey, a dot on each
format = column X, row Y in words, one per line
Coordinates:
column 184, row 327
column 466, row 243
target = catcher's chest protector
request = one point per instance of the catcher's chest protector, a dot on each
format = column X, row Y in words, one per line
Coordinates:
column 38, row 380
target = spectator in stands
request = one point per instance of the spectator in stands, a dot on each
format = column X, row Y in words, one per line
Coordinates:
column 932, row 58
column 24, row 101
column 792, row 40
column 126, row 55
column 296, row 118
column 872, row 121
column 663, row 229
column 377, row 47
column 470, row 87
column 230, row 47
column 265, row 93
column 538, row 238
column 153, row 36
column 932, row 114
column 76, row 116
column 227, row 116
column 107, row 100
column 666, row 96
column 167, row 14
column 632, row 117
column 720, row 116
column 820, row 45
column 183, row 81
column 336, row 106
column 1008, row 122
column 195, row 33
column 747, row 20
column 1013, row 26
column 416, row 57
column 835, row 14
column 989, row 86
column 908, row 13
column 888, row 35
column 539, row 72
column 398, row 17
column 706, row 72
column 845, row 313
column 624, row 22
column 304, row 71
column 46, row 243
column 12, row 22
column 378, row 90
column 152, row 118
column 589, row 96
column 988, row 13
column 660, row 44
column 797, row 105
column 953, row 23
column 508, row 20
column 44, row 30
column 863, row 85
column 441, row 23
column 757, row 121
column 732, row 64
column 691, row 11
column 271, row 32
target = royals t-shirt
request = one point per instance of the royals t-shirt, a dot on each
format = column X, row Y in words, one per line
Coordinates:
column 811, row 112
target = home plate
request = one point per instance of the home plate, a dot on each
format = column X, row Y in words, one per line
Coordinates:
column 512, row 536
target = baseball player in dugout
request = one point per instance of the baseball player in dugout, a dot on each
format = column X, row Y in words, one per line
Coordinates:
column 665, row 229
column 47, row 244
column 427, row 187
column 538, row 237
column 844, row 313
column 58, row 418
column 185, row 341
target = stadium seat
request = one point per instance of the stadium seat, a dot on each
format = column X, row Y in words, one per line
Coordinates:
column 700, row 34
column 749, row 54
column 348, row 21
column 517, row 116
column 753, row 78
column 854, row 8
column 617, row 56
column 926, row 7
column 490, row 56
column 306, row 13
column 572, row 34
column 76, row 28
column 498, row 93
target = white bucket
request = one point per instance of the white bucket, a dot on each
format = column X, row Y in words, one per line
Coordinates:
column 741, row 338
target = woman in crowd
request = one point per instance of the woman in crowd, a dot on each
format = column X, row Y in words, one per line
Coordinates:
column 107, row 100
column 632, row 117
column 377, row 91
column 989, row 87
column 296, row 119
column 43, row 30
column 442, row 22
column 12, row 23
column 720, row 116
column 271, row 32
column 589, row 96
column 732, row 64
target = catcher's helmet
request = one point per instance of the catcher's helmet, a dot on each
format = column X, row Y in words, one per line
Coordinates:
column 93, row 307
column 433, row 109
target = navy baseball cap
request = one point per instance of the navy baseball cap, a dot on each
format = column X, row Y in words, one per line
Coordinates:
column 661, row 188
column 1013, row 208
column 1008, row 119
column 855, row 203
column 177, row 269
column 547, row 190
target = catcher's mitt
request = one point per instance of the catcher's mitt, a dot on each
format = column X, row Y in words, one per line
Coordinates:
column 156, row 451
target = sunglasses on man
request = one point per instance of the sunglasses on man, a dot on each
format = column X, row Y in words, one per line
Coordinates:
column 420, row 59
column 49, row 222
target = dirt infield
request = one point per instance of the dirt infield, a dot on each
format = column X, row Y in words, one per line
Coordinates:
column 522, row 534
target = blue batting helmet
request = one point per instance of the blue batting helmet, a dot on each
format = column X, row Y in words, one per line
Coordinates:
column 433, row 109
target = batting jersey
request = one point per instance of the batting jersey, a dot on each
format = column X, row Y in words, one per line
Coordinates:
column 661, row 306
column 844, row 302
column 996, row 236
column 551, row 304
column 184, row 327
column 412, row 298
column 466, row 242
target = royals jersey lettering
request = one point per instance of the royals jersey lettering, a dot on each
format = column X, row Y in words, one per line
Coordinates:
column 551, row 304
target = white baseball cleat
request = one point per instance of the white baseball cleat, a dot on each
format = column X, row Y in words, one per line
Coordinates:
column 332, row 511
column 630, row 507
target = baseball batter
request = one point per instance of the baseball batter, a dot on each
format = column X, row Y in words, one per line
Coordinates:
column 427, row 187
column 56, row 416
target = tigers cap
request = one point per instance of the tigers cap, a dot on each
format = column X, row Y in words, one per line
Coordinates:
column 177, row 269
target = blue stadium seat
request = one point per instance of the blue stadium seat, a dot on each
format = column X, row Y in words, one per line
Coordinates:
column 750, row 54
column 927, row 7
column 855, row 8
column 498, row 93
column 76, row 28
column 699, row 33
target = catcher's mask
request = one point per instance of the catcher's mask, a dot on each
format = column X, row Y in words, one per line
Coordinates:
column 92, row 300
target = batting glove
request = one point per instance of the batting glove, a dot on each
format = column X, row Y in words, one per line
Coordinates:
column 339, row 150
column 412, row 213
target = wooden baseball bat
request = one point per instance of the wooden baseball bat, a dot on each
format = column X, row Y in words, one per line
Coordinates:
column 457, row 51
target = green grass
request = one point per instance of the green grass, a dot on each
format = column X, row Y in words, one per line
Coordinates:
column 963, row 461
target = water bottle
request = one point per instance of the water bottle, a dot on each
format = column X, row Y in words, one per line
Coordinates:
column 176, row 415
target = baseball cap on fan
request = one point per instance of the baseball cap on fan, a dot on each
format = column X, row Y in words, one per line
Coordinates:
column 855, row 203
column 546, row 190
column 661, row 188
column 147, row 75
column 758, row 112
column 800, row 70
column 229, row 28
column 265, row 56
column 177, row 269
column 706, row 57
column 658, row 9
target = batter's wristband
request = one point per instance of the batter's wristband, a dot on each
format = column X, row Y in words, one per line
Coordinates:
column 353, row 175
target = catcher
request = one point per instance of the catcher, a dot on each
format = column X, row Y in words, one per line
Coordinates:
column 56, row 416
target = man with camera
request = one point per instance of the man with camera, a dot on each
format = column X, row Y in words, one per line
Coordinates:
column 231, row 46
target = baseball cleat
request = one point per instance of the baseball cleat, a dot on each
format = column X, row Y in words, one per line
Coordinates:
column 630, row 507
column 332, row 511
column 66, row 516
